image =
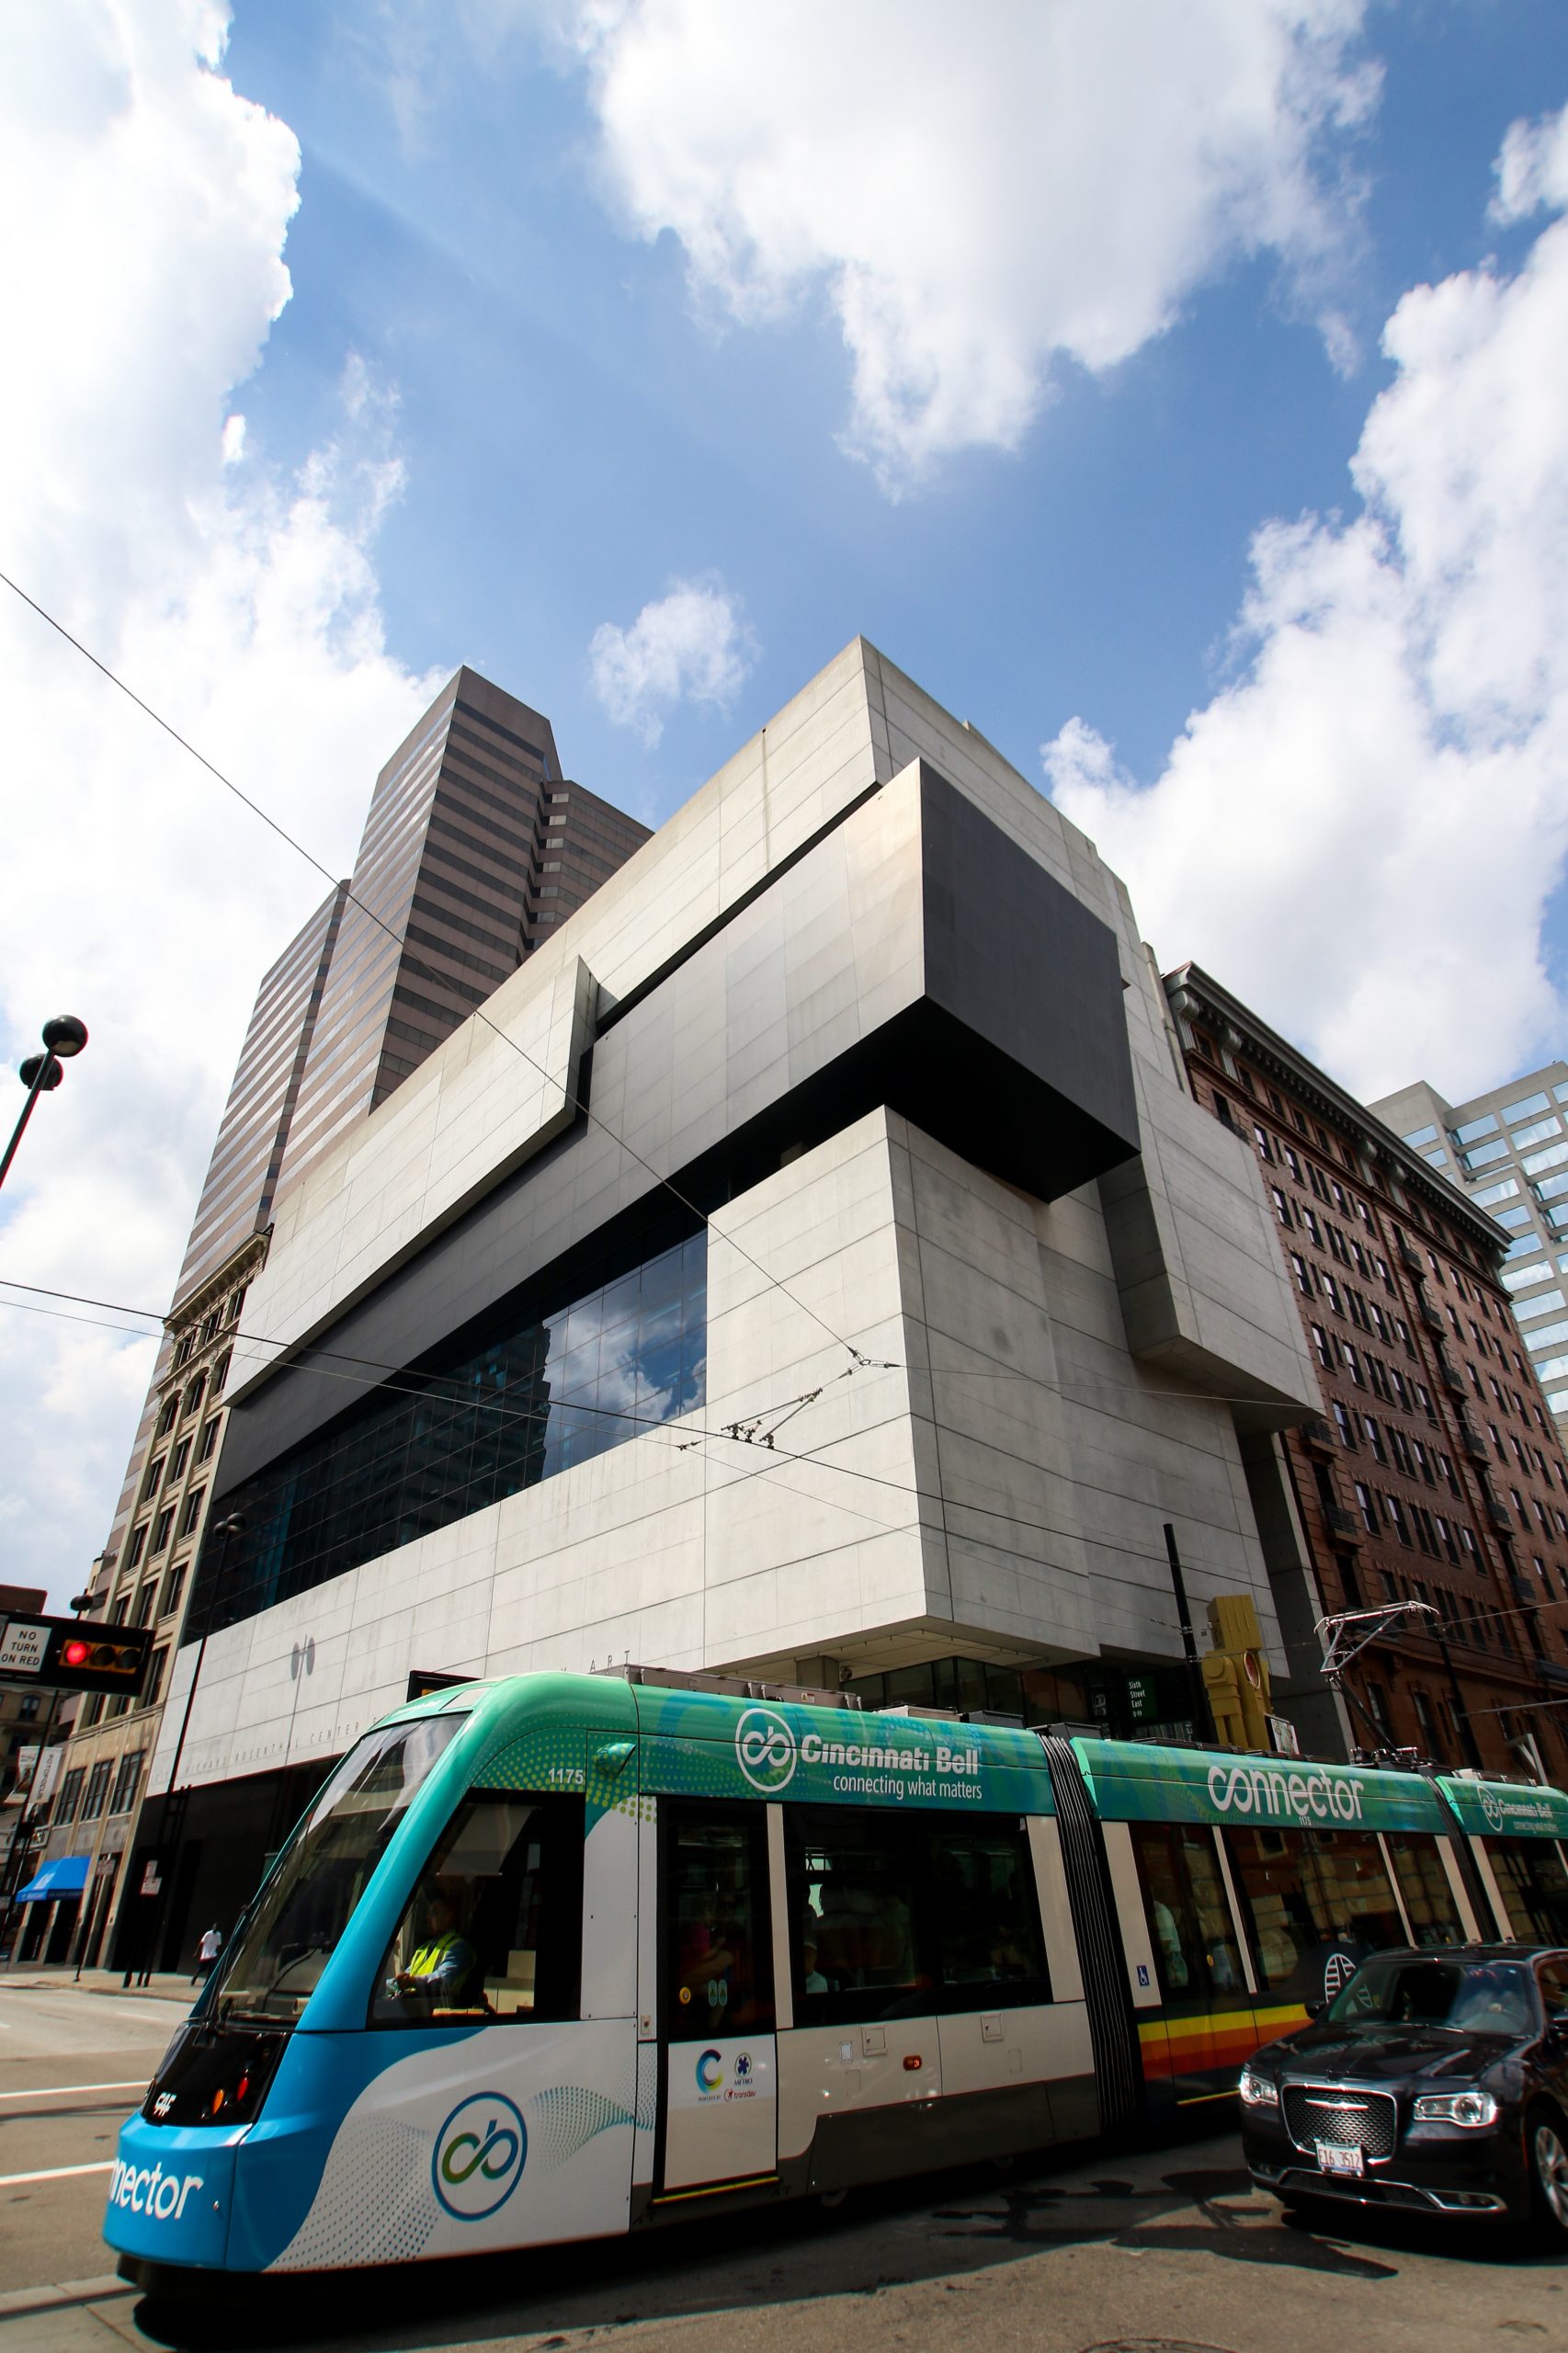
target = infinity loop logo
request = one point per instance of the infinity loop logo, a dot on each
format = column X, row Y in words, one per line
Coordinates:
column 766, row 1751
column 479, row 2156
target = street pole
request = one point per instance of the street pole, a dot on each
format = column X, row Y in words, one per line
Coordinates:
column 1462, row 1714
column 13, row 1868
column 62, row 1037
column 227, row 1532
column 1188, row 1642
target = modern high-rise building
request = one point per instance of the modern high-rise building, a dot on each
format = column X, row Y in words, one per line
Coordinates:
column 241, row 1177
column 1432, row 1472
column 474, row 846
column 1507, row 1153
column 143, row 1576
column 889, row 1157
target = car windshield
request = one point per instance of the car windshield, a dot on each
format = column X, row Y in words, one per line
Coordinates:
column 270, row 1970
column 1464, row 1996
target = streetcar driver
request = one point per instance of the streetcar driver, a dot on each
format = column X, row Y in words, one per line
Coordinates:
column 442, row 1966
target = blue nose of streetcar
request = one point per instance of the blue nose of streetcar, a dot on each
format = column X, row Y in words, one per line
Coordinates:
column 172, row 2192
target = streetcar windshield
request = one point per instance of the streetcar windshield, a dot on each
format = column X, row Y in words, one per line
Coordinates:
column 270, row 1970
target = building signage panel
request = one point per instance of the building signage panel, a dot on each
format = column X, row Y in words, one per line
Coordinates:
column 1134, row 1782
column 23, row 1645
column 1508, row 1809
column 703, row 1744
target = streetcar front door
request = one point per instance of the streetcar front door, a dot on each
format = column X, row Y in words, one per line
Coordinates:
column 719, row 2105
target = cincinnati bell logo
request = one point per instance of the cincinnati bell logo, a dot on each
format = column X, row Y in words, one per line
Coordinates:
column 479, row 2156
column 766, row 1751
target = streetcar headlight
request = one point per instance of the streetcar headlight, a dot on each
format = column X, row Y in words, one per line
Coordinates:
column 1256, row 2091
column 1472, row 2109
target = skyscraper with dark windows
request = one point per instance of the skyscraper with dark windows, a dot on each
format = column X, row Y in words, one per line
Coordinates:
column 474, row 846
column 236, row 1198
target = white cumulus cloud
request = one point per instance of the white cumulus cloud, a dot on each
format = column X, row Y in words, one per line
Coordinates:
column 1361, row 832
column 978, row 198
column 689, row 645
column 147, row 206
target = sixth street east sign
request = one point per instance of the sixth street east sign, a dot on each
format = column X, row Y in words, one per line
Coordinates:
column 67, row 1654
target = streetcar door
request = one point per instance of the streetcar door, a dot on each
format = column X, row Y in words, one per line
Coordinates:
column 720, row 2104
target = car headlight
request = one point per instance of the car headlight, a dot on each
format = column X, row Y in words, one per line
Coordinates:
column 1256, row 2090
column 1474, row 2109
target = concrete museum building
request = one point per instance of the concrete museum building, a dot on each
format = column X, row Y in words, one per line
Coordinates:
column 810, row 1264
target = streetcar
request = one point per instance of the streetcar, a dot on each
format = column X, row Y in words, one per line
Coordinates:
column 554, row 1957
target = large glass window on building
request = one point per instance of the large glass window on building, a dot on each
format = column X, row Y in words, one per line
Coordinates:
column 550, row 1387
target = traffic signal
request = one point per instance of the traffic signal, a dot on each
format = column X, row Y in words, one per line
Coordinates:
column 1236, row 1673
column 92, row 1657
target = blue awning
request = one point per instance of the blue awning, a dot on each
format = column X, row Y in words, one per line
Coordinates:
column 62, row 1875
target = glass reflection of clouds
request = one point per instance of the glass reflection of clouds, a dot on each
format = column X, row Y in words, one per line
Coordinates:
column 550, row 1391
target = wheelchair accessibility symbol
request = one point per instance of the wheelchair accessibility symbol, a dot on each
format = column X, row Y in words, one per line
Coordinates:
column 479, row 2156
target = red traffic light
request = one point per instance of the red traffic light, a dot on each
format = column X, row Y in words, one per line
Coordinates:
column 77, row 1653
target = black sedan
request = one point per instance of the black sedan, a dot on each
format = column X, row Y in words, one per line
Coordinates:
column 1435, row 2080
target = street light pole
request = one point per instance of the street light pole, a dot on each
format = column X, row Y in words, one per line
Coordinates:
column 62, row 1037
column 228, row 1532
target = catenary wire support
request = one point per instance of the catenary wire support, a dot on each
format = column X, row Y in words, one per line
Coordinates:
column 1345, row 1635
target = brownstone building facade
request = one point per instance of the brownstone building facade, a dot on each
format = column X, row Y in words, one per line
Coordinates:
column 1435, row 1473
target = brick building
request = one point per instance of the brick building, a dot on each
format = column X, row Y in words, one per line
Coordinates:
column 1435, row 1473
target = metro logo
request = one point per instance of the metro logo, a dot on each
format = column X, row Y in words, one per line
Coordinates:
column 148, row 2189
column 1274, row 1791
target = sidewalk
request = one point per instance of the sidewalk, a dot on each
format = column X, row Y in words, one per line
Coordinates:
column 167, row 1986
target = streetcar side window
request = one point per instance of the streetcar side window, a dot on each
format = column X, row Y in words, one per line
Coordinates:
column 902, row 1914
column 494, row 1928
column 855, row 1899
column 1423, row 1883
column 1305, row 1892
column 717, row 1937
column 1533, row 1885
column 1189, row 1918
column 990, row 1950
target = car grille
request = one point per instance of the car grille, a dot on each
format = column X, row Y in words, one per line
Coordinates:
column 1347, row 2118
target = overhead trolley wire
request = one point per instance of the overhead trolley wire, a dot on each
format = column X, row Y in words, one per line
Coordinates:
column 576, row 1102
column 685, row 1436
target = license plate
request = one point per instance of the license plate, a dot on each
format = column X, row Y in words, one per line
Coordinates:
column 1332, row 2158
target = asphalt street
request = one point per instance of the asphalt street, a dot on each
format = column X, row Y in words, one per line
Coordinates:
column 1164, row 2250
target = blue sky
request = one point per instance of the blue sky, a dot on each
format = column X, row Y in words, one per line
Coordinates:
column 1174, row 387
column 574, row 434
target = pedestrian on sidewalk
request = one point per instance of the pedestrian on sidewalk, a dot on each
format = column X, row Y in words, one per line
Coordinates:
column 207, row 1952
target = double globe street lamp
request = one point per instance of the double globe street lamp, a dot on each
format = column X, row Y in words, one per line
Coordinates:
column 64, row 1037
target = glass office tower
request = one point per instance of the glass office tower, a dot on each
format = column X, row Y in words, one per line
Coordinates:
column 1507, row 1152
